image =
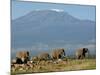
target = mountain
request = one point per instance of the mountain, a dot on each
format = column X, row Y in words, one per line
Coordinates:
column 50, row 27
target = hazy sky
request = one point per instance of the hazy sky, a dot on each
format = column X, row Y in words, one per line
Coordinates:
column 20, row 8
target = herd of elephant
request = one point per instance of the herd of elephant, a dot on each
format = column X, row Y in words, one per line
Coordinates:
column 23, row 56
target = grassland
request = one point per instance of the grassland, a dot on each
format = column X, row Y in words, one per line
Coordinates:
column 68, row 65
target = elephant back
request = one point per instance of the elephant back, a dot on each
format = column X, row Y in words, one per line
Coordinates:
column 60, row 51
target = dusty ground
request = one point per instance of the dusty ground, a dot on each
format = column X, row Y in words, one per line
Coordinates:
column 51, row 66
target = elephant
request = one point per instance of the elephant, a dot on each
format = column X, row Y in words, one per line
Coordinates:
column 35, row 58
column 44, row 56
column 41, row 56
column 81, row 53
column 22, row 57
column 58, row 53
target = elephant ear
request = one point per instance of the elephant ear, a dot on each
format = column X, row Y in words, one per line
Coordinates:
column 84, row 49
column 64, row 52
column 28, row 53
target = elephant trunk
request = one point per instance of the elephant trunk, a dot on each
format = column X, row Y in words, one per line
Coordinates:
column 88, row 53
column 64, row 53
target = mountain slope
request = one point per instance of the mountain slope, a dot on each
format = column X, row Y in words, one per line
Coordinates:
column 47, row 26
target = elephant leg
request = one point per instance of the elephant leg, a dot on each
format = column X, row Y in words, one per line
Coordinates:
column 59, row 56
column 19, row 61
column 25, row 62
column 78, row 57
column 82, row 56
column 54, row 58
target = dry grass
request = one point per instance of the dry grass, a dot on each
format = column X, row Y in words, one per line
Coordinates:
column 69, row 65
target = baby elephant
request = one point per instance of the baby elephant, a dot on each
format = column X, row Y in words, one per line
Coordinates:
column 44, row 56
column 81, row 53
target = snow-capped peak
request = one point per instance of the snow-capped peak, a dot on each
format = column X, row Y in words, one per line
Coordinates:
column 57, row 10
